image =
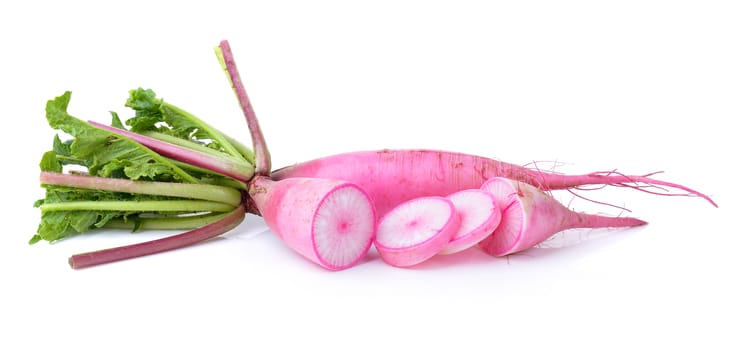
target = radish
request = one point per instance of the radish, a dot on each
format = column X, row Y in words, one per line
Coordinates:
column 531, row 216
column 330, row 222
column 479, row 214
column 416, row 230
column 394, row 176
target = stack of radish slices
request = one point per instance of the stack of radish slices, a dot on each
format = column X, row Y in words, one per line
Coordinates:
column 502, row 217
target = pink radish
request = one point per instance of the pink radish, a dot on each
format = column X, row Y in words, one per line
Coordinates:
column 479, row 214
column 394, row 176
column 330, row 222
column 531, row 216
column 416, row 230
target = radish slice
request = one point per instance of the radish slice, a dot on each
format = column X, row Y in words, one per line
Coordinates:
column 479, row 214
column 416, row 230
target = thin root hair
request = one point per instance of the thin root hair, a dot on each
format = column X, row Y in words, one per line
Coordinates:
column 534, row 165
column 622, row 208
column 642, row 183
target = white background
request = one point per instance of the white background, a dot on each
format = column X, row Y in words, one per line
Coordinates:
column 637, row 86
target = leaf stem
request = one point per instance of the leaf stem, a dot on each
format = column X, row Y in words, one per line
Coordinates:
column 246, row 152
column 222, row 225
column 228, row 166
column 217, row 180
column 213, row 133
column 227, row 60
column 166, row 222
column 173, row 189
column 139, row 206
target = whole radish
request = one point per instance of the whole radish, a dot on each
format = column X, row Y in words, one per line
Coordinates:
column 394, row 176
column 416, row 230
column 330, row 222
column 531, row 216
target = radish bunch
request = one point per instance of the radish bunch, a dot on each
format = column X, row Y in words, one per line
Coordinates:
column 171, row 169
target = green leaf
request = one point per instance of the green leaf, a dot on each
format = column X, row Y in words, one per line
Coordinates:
column 56, row 225
column 147, row 108
column 105, row 153
column 116, row 122
column 50, row 162
column 61, row 148
column 153, row 114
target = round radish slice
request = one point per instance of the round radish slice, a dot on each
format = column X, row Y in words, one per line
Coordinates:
column 343, row 227
column 479, row 214
column 416, row 230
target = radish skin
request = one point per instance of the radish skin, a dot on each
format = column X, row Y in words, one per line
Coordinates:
column 395, row 176
column 416, row 230
column 330, row 222
column 531, row 216
column 479, row 215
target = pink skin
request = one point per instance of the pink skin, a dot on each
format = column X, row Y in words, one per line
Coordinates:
column 480, row 215
column 330, row 222
column 416, row 230
column 531, row 216
column 394, row 176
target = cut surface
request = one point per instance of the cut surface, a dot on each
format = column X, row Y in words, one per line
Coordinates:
column 509, row 230
column 343, row 227
column 413, row 222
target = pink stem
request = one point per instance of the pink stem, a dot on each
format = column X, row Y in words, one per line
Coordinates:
column 185, row 239
column 180, row 153
column 263, row 160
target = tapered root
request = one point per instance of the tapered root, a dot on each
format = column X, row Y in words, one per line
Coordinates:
column 644, row 183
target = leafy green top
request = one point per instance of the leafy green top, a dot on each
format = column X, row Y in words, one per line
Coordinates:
column 104, row 153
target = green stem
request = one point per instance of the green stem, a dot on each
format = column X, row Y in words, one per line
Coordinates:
column 226, row 182
column 242, row 165
column 241, row 162
column 217, row 180
column 243, row 149
column 211, row 131
column 167, row 222
column 139, row 206
column 207, row 192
